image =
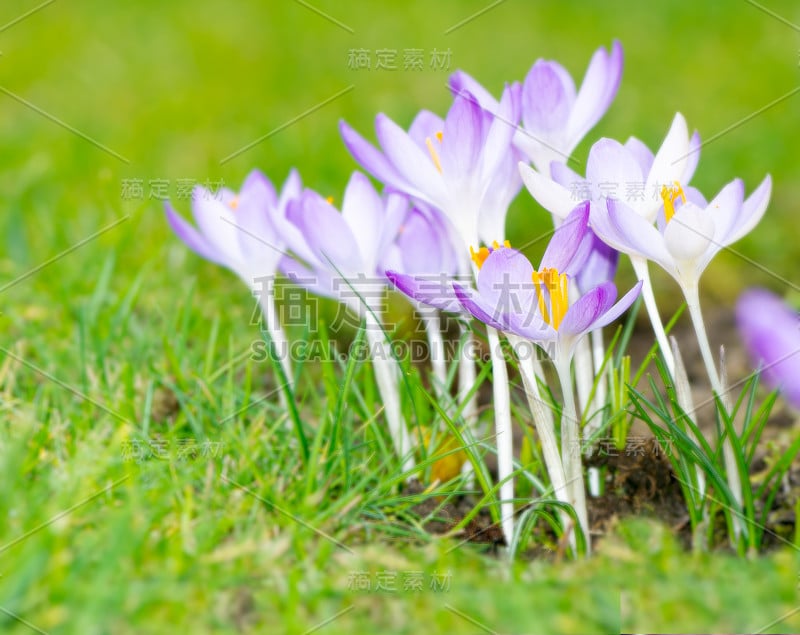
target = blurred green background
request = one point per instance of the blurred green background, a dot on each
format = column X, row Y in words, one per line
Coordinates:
column 170, row 89
column 174, row 88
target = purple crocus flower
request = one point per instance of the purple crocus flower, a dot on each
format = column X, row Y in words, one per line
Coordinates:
column 555, row 117
column 541, row 310
column 460, row 165
column 630, row 172
column 770, row 330
column 688, row 234
column 342, row 251
column 239, row 231
column 539, row 305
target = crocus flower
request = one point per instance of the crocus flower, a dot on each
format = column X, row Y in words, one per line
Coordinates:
column 539, row 305
column 688, row 235
column 555, row 117
column 342, row 251
column 460, row 165
column 239, row 231
column 613, row 170
column 770, row 330
column 246, row 233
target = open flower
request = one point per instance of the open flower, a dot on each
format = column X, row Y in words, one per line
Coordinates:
column 239, row 231
column 630, row 172
column 342, row 251
column 688, row 234
column 460, row 165
column 540, row 305
column 555, row 117
column 770, row 330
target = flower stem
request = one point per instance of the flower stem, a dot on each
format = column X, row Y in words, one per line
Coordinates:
column 692, row 296
column 543, row 420
column 278, row 337
column 570, row 447
column 467, row 376
column 503, row 433
column 643, row 273
column 436, row 351
column 387, row 376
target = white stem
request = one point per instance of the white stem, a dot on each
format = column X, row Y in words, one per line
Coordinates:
column 692, row 296
column 643, row 273
column 543, row 420
column 467, row 376
column 436, row 350
column 278, row 337
column 683, row 391
column 584, row 372
column 598, row 357
column 503, row 433
column 387, row 375
column 570, row 447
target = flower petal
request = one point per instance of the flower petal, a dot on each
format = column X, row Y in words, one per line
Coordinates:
column 598, row 89
column 582, row 315
column 752, row 211
column 432, row 290
column 461, row 82
column 505, row 282
column 372, row 159
column 425, row 126
column 328, row 235
column 643, row 155
column 610, row 168
column 626, row 231
column 478, row 307
column 622, row 305
column 771, row 334
column 462, row 139
column 555, row 198
column 192, row 238
column 669, row 163
column 548, row 93
column 688, row 235
column 415, row 166
column 362, row 210
column 567, row 239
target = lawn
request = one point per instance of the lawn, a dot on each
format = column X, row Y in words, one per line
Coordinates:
column 152, row 479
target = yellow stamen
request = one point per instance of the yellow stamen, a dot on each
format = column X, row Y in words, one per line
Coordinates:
column 329, row 200
column 433, row 152
column 480, row 256
column 669, row 195
column 234, row 203
column 557, row 285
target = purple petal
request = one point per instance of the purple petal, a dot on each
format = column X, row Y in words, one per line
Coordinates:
column 599, row 266
column 566, row 239
column 505, row 282
column 425, row 126
column 643, row 155
column 588, row 309
column 598, row 89
column 622, row 305
column 610, row 163
column 193, row 239
column 624, row 230
column 461, row 82
column 415, row 166
column 327, row 234
column 771, row 334
column 462, row 139
column 370, row 158
column 547, row 97
column 752, row 211
column 436, row 291
column 362, row 210
column 478, row 307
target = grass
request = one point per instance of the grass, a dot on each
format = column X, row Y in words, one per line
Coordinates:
column 105, row 316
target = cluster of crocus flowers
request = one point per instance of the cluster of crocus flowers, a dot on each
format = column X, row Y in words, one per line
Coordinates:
column 437, row 234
